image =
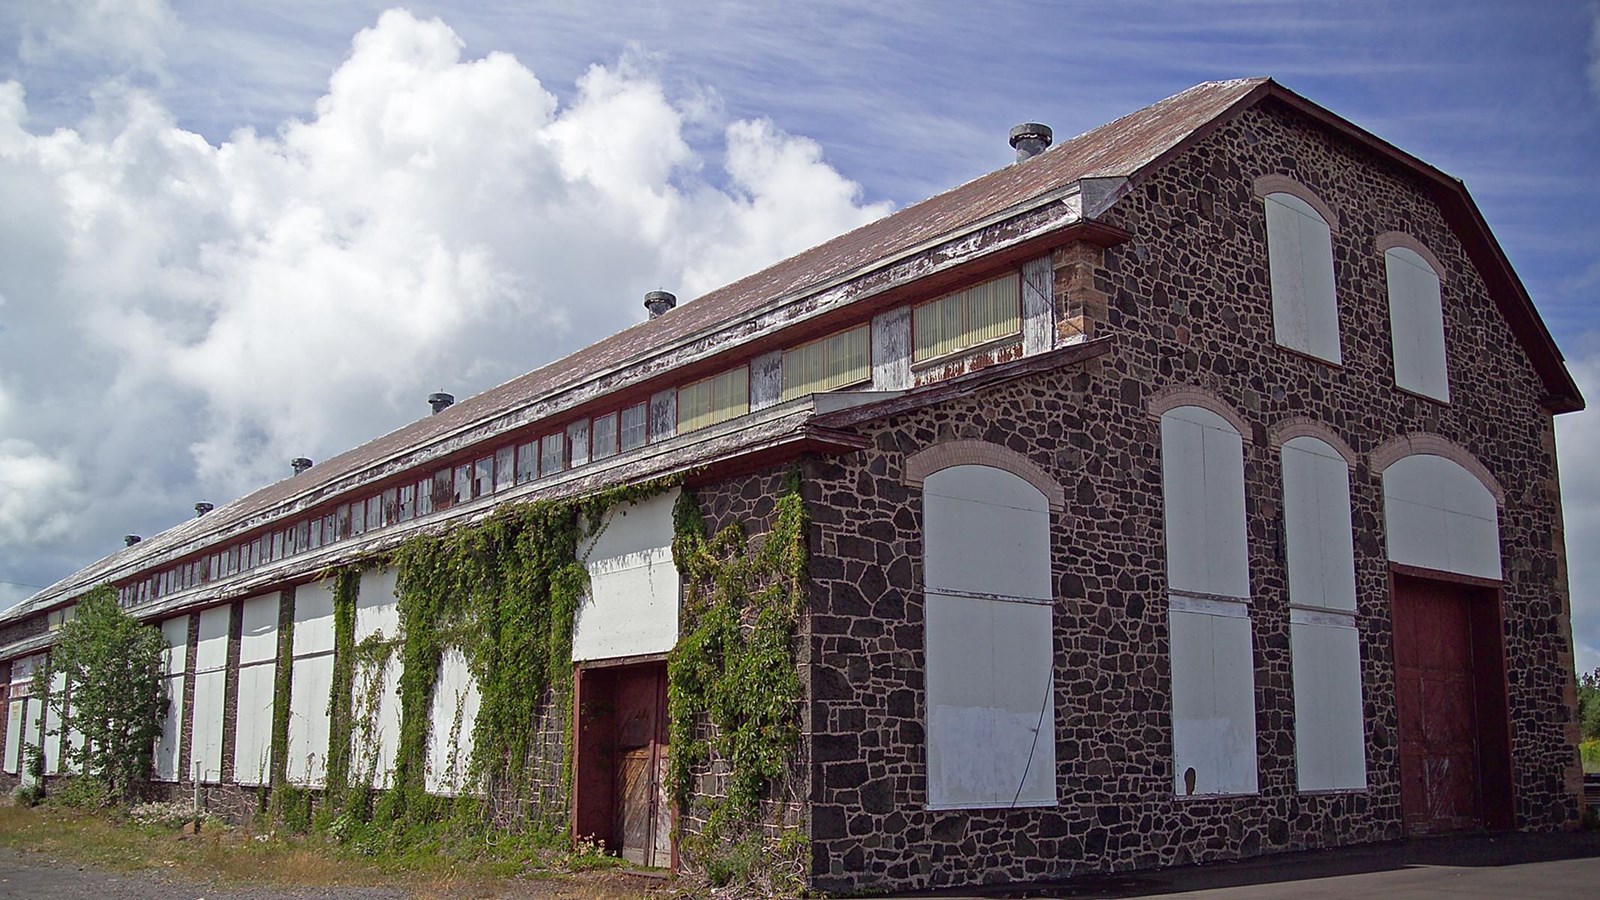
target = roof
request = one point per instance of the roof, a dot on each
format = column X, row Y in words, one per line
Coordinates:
column 1125, row 148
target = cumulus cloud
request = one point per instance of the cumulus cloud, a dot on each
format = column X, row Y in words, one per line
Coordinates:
column 182, row 317
column 1578, row 446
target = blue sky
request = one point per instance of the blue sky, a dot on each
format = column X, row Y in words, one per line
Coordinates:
column 162, row 155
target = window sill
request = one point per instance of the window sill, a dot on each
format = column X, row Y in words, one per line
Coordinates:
column 934, row 362
column 1426, row 398
column 1191, row 798
column 1310, row 357
column 1333, row 792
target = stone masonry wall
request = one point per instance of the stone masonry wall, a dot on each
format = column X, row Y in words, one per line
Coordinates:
column 1188, row 305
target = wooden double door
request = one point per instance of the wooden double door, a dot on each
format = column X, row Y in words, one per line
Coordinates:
column 1455, row 765
column 620, row 794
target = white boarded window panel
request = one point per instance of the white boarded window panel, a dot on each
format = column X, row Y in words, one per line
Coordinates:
column 377, row 618
column 211, row 659
column 13, row 758
column 1203, row 485
column 311, row 683
column 33, row 732
column 168, row 749
column 1316, row 508
column 1330, row 748
column 989, row 634
column 252, row 743
column 53, row 726
column 1416, row 322
column 1305, row 314
column 1438, row 516
column 632, row 605
column 258, row 653
column 1213, row 698
column 455, row 711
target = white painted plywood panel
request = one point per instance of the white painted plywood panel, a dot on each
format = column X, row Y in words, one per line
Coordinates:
column 1321, row 550
column 176, row 631
column 1227, row 554
column 209, row 690
column 13, row 759
column 1203, row 489
column 377, row 609
column 455, row 711
column 990, row 704
column 252, row 743
column 32, row 734
column 168, row 750
column 1438, row 516
column 891, row 350
column 1286, row 270
column 313, row 617
column 53, row 726
column 1330, row 747
column 1322, row 309
column 211, row 652
column 634, row 587
column 312, row 682
column 377, row 713
column 258, row 636
column 1213, row 703
column 991, row 531
column 1417, row 320
column 1038, row 305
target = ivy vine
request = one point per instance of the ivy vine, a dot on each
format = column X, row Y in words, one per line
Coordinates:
column 734, row 664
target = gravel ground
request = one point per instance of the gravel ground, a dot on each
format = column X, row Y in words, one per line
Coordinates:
column 38, row 877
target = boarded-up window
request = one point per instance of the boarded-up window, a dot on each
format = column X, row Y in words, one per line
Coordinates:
column 1208, row 579
column 833, row 362
column 631, row 608
column 989, row 640
column 979, row 314
column 375, row 701
column 635, row 428
column 311, row 683
column 258, row 654
column 552, row 454
column 454, row 713
column 527, row 462
column 715, row 399
column 168, row 748
column 1438, row 516
column 1305, row 313
column 505, row 468
column 210, row 685
column 1416, row 324
column 1330, row 746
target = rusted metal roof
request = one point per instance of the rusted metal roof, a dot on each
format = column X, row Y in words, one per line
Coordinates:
column 1124, row 148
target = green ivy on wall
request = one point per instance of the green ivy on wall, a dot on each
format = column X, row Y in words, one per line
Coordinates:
column 735, row 664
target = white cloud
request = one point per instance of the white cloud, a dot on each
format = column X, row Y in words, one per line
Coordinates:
column 1578, row 447
column 132, row 34
column 183, row 318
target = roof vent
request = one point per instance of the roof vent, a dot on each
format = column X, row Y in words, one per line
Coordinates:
column 1031, row 139
column 128, row 540
column 441, row 401
column 659, row 302
column 300, row 464
column 202, row 508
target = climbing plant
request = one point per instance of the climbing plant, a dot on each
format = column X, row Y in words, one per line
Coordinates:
column 734, row 664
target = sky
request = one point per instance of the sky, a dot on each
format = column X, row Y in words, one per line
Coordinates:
column 233, row 234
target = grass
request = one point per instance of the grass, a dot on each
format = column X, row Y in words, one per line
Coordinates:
column 441, row 868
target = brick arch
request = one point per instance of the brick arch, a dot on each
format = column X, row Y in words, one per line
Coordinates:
column 937, row 457
column 1303, row 426
column 1283, row 184
column 1174, row 396
column 1390, row 240
column 1398, row 448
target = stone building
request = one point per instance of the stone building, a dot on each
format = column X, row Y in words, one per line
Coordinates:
column 1184, row 491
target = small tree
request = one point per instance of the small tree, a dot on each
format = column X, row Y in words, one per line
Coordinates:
column 1589, row 705
column 113, row 664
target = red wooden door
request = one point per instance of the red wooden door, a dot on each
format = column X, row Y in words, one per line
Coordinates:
column 1440, row 772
